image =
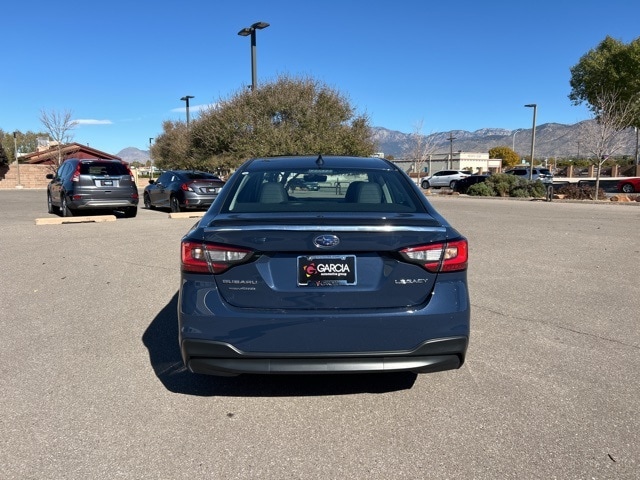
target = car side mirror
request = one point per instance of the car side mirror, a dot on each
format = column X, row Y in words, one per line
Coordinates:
column 152, row 181
column 50, row 176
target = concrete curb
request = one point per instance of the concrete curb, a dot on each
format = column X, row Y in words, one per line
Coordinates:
column 61, row 220
column 186, row 214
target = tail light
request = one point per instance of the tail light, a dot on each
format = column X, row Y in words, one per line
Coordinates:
column 186, row 187
column 198, row 257
column 126, row 165
column 439, row 257
column 76, row 174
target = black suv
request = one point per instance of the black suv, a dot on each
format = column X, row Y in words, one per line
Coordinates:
column 92, row 184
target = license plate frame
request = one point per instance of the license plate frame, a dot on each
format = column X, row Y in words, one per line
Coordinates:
column 326, row 270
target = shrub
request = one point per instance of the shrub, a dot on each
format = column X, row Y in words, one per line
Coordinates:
column 580, row 192
column 481, row 190
column 504, row 185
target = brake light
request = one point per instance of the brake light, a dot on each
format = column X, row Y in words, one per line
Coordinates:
column 439, row 257
column 200, row 257
column 126, row 165
column 76, row 174
column 186, row 187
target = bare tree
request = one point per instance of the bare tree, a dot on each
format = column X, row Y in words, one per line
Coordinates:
column 420, row 149
column 612, row 116
column 58, row 125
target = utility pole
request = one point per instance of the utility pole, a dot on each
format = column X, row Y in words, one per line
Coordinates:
column 451, row 139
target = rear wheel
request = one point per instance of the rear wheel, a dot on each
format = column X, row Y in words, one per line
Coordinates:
column 452, row 184
column 174, row 204
column 51, row 208
column 130, row 212
column 64, row 208
column 627, row 188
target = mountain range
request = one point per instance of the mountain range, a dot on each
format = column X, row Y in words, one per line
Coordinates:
column 553, row 140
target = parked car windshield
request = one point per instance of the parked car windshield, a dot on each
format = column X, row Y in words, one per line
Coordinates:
column 338, row 190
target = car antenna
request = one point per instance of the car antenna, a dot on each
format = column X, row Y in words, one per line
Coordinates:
column 320, row 160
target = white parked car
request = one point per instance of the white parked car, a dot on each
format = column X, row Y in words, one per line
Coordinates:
column 444, row 178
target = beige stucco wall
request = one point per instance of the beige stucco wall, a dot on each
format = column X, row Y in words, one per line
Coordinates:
column 31, row 176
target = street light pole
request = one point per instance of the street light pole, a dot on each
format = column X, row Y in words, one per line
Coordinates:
column 186, row 99
column 150, row 160
column 533, row 137
column 15, row 148
column 252, row 32
column 513, row 143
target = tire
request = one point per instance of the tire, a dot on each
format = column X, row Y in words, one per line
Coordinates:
column 174, row 204
column 425, row 184
column 147, row 202
column 51, row 208
column 130, row 212
column 627, row 188
column 452, row 184
column 64, row 208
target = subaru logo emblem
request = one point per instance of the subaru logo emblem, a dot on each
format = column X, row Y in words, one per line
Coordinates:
column 326, row 241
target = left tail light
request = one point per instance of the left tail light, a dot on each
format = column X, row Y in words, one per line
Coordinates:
column 186, row 187
column 439, row 257
column 76, row 174
column 198, row 257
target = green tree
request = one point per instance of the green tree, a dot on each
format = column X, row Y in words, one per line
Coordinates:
column 611, row 67
column 290, row 116
column 508, row 156
column 24, row 143
column 171, row 148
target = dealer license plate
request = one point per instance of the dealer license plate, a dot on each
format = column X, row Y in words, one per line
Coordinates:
column 327, row 270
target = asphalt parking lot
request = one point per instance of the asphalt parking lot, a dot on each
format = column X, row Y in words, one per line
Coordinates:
column 93, row 385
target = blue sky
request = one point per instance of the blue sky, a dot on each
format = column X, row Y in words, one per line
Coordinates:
column 122, row 67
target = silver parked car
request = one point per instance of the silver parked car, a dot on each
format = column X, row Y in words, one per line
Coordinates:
column 444, row 178
column 542, row 174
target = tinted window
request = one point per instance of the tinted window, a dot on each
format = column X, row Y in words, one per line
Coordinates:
column 103, row 168
column 165, row 178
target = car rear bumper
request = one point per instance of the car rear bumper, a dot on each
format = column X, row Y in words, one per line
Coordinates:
column 198, row 202
column 220, row 358
column 112, row 203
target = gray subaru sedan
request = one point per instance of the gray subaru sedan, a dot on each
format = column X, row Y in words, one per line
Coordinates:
column 359, row 275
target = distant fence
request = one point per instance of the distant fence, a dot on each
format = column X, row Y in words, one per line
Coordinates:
column 615, row 171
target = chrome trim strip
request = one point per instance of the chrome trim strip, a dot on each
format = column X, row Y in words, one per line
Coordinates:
column 327, row 228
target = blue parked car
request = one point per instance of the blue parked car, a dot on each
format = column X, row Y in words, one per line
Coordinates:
column 363, row 277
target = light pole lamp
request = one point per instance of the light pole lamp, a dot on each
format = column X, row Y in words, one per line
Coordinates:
column 252, row 31
column 533, row 137
column 513, row 143
column 150, row 161
column 186, row 99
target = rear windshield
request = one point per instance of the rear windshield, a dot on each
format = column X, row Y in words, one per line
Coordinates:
column 322, row 190
column 200, row 176
column 103, row 168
